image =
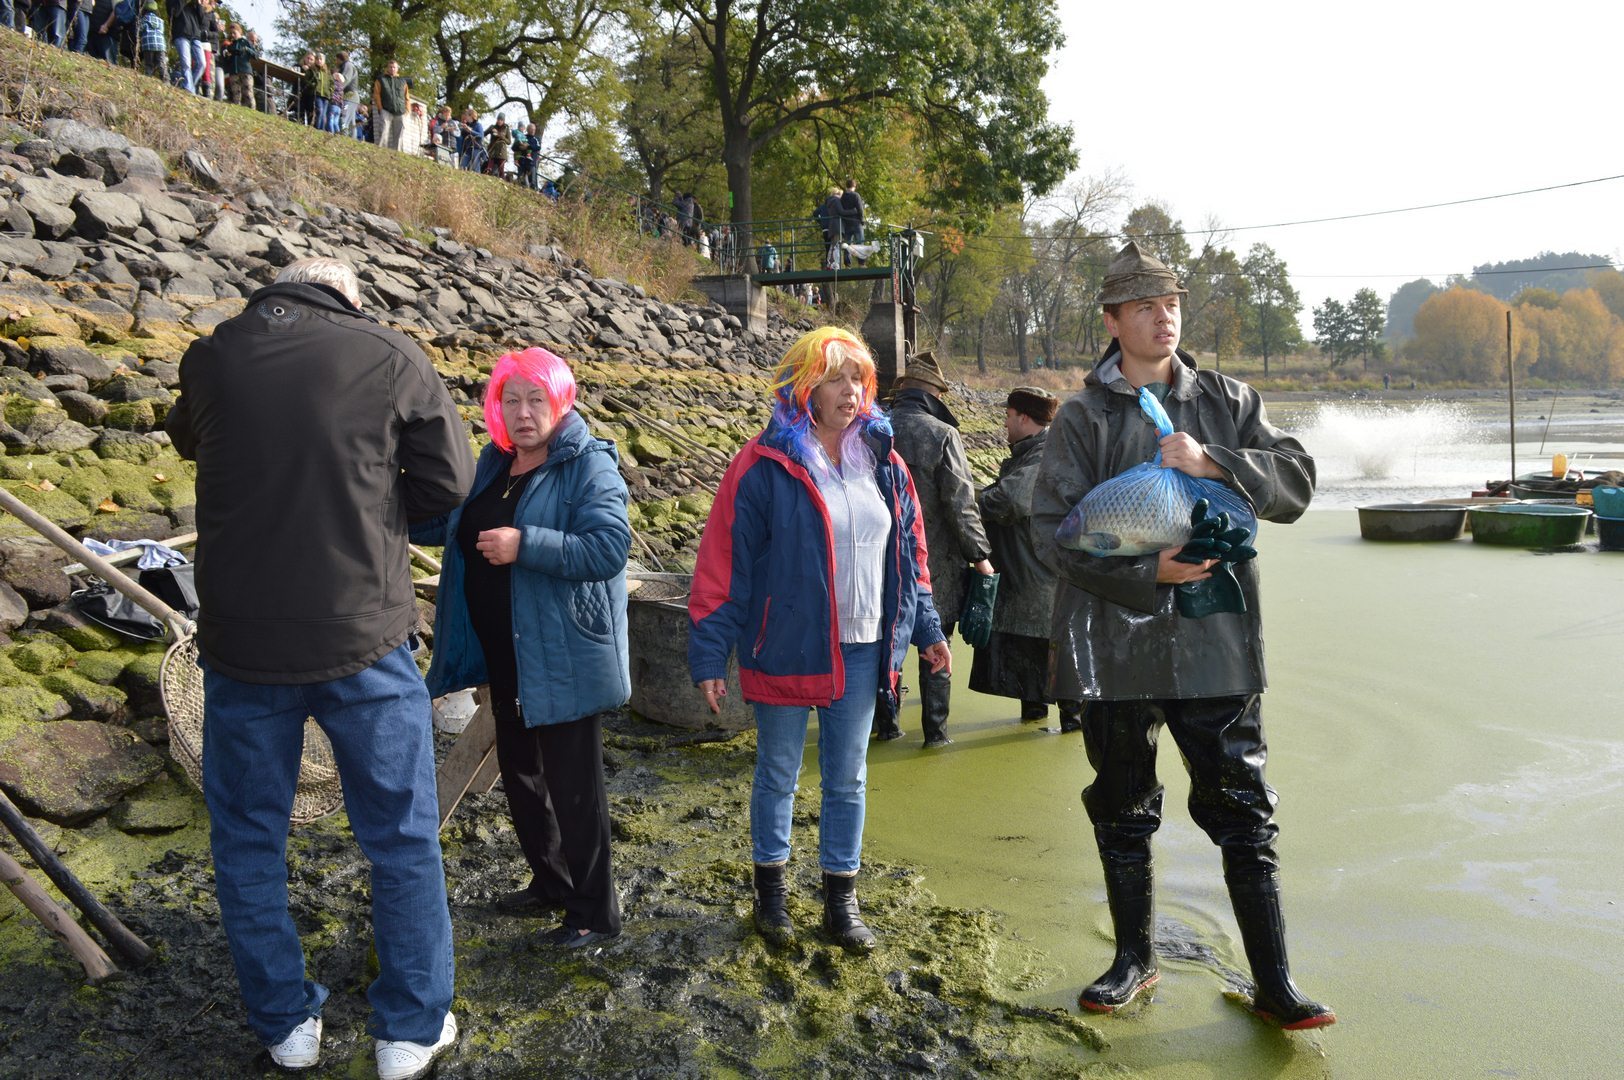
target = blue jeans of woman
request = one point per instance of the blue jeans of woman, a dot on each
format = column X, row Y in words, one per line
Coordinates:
column 50, row 24
column 842, row 761
column 378, row 722
column 190, row 51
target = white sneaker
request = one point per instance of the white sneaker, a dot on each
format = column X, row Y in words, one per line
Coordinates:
column 402, row 1060
column 301, row 1048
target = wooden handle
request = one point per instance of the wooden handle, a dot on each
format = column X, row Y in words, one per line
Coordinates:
column 124, row 942
column 96, row 963
column 53, row 532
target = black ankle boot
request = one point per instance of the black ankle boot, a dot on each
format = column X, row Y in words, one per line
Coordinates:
column 771, row 906
column 1256, row 898
column 1130, row 891
column 1071, row 716
column 841, row 920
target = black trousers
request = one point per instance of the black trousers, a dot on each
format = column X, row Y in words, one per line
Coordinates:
column 553, row 777
column 1221, row 740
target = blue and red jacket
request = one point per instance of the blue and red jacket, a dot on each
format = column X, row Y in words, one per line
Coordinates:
column 764, row 582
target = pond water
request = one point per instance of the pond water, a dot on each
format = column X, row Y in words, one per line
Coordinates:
column 1447, row 742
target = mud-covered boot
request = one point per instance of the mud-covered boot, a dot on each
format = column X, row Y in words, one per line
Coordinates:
column 1256, row 898
column 841, row 920
column 1130, row 891
column 771, row 905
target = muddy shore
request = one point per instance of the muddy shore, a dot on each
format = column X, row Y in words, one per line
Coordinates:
column 688, row 990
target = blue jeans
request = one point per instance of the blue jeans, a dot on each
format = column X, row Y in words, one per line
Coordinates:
column 378, row 723
column 50, row 24
column 190, row 51
column 842, row 760
column 79, row 31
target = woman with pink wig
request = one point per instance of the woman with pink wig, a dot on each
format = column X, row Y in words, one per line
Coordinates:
column 532, row 601
column 812, row 571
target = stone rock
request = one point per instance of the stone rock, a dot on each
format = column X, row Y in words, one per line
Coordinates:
column 104, row 212
column 87, row 700
column 162, row 806
column 52, row 220
column 74, row 137
column 58, row 383
column 387, row 228
column 142, row 680
column 126, row 446
column 20, row 251
column 65, row 621
column 130, row 387
column 71, row 164
column 13, row 381
column 82, row 408
column 33, row 566
column 131, row 416
column 30, row 704
column 73, row 771
column 126, row 525
column 114, row 164
column 66, row 356
column 39, row 152
column 201, row 169
column 16, row 220
column 13, row 608
column 146, row 164
column 227, row 237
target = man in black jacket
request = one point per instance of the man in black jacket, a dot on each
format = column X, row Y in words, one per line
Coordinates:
column 319, row 435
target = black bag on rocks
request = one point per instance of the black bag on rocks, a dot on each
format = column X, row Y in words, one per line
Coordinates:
column 103, row 604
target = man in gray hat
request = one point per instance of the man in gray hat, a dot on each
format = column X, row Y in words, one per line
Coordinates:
column 1015, row 662
column 1122, row 643
column 927, row 437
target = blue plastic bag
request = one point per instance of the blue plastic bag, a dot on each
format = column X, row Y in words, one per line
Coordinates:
column 1146, row 509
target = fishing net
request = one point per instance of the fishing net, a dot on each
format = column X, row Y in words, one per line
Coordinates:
column 181, row 681
column 1146, row 509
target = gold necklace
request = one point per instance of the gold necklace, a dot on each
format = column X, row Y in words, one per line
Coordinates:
column 515, row 481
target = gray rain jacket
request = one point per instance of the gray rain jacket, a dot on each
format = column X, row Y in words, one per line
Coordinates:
column 1026, row 585
column 927, row 437
column 1117, row 633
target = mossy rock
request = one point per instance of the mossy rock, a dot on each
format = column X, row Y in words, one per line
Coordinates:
column 142, row 680
column 79, row 632
column 46, row 324
column 651, row 449
column 695, row 507
column 44, row 653
column 29, row 704
column 102, row 666
column 131, row 416
column 117, row 356
column 33, row 468
column 162, row 806
column 144, row 349
column 56, row 504
column 17, row 410
column 88, row 700
column 126, row 483
column 73, row 771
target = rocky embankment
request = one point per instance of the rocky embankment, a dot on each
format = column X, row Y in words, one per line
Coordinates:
column 113, row 259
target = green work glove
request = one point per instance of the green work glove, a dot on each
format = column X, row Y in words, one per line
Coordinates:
column 1218, row 593
column 1212, row 538
column 976, row 622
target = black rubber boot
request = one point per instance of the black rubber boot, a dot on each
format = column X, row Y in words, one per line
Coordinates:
column 841, row 920
column 935, row 693
column 886, row 707
column 771, row 905
column 1256, row 898
column 1071, row 716
column 1130, row 891
column 1033, row 711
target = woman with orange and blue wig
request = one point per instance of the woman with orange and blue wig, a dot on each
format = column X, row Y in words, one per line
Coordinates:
column 812, row 570
column 532, row 601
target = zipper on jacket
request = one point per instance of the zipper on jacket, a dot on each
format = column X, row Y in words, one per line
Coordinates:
column 761, row 635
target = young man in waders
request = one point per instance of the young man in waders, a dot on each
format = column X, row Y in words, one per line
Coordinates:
column 1126, row 640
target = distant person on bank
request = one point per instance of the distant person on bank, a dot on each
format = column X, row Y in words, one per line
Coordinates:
column 1124, row 643
column 1015, row 662
column 812, row 571
column 318, row 436
column 927, row 438
column 391, row 100
column 532, row 601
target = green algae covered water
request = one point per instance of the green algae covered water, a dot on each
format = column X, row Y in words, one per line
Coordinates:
column 1446, row 730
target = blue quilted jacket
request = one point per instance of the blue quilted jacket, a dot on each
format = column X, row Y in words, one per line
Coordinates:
column 569, row 584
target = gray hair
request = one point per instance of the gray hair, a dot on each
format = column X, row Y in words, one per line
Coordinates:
column 335, row 273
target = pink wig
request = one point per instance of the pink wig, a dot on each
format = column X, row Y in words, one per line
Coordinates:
column 533, row 365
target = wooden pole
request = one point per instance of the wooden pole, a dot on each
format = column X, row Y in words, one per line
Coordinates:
column 124, row 942
column 96, row 963
column 1511, row 395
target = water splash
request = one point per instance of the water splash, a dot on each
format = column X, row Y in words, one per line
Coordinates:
column 1374, row 441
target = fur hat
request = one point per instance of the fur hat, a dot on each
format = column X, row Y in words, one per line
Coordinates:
column 1035, row 402
column 923, row 368
column 1135, row 274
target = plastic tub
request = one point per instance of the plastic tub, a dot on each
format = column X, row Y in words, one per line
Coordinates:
column 1411, row 521
column 1610, row 532
column 1531, row 525
column 1609, row 502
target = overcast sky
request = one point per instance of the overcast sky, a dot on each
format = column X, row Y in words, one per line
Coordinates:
column 1264, row 112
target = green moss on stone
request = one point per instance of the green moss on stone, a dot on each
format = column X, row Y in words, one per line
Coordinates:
column 33, row 468
column 130, row 416
column 89, row 637
column 87, row 699
column 19, row 410
column 102, row 666
column 21, row 704
column 46, row 652
column 48, row 324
